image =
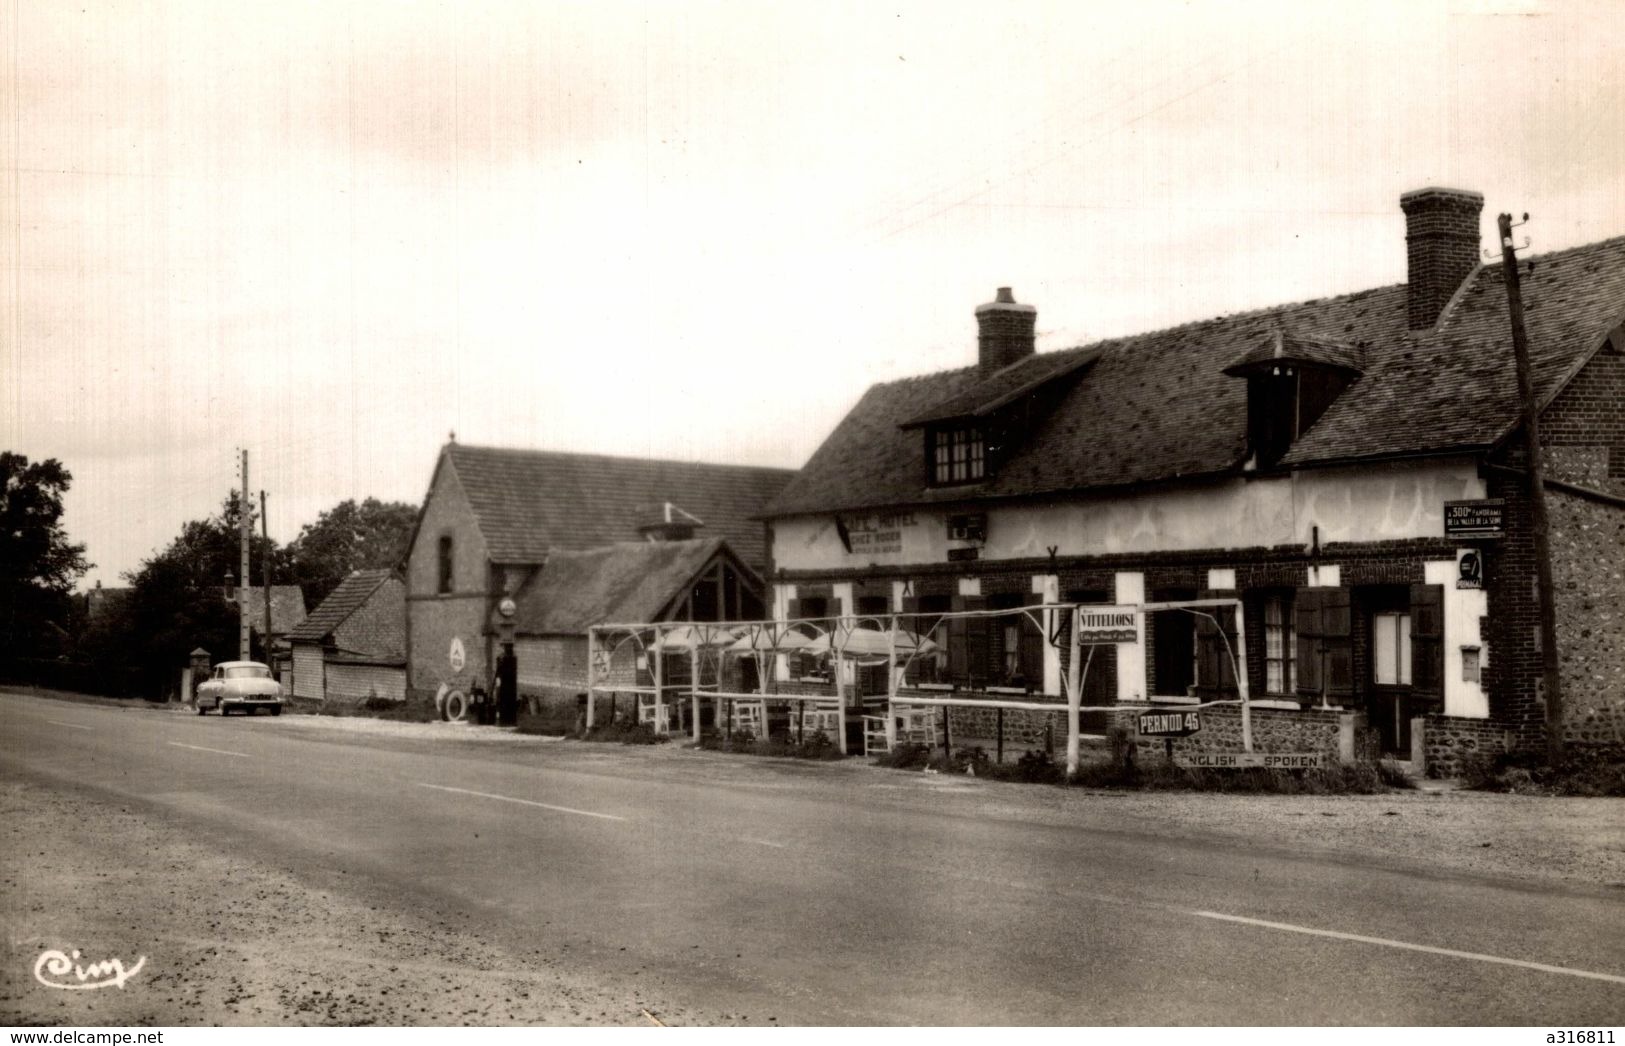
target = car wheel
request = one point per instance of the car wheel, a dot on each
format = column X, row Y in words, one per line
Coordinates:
column 276, row 709
column 201, row 709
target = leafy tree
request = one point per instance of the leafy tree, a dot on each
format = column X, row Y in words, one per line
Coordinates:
column 38, row 565
column 177, row 599
column 347, row 537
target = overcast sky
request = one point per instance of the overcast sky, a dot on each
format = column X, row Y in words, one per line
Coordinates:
column 333, row 233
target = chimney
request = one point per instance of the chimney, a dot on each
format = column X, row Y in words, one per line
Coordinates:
column 1004, row 332
column 1441, row 248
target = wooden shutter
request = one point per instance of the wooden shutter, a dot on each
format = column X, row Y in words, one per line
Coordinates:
column 1336, row 640
column 1306, row 613
column 968, row 643
column 958, row 651
column 1032, row 651
column 792, row 609
column 1216, row 673
column 1427, row 641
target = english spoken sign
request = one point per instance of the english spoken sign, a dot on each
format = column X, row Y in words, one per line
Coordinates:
column 1242, row 760
column 1169, row 724
column 1101, row 625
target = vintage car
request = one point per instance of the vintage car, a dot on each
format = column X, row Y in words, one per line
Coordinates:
column 240, row 686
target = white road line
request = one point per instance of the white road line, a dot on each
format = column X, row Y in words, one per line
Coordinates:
column 522, row 802
column 76, row 726
column 216, row 751
column 768, row 842
column 1406, row 945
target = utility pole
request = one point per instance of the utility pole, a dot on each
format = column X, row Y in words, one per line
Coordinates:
column 265, row 578
column 243, row 531
column 1537, row 498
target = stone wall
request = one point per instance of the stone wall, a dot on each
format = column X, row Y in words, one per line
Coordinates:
column 1449, row 743
column 1273, row 729
column 1588, row 579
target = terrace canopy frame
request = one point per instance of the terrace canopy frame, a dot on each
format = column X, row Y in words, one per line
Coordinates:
column 710, row 642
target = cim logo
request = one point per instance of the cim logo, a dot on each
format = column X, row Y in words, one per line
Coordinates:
column 56, row 970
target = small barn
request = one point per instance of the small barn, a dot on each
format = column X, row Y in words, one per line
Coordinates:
column 352, row 647
column 692, row 580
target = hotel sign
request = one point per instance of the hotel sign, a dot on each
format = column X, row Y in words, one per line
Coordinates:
column 874, row 535
column 1098, row 626
column 1484, row 518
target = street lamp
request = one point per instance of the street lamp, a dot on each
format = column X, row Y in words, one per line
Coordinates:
column 507, row 668
column 231, row 585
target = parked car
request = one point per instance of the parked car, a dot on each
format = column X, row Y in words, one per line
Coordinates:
column 240, row 686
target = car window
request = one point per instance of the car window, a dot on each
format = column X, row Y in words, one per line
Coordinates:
column 248, row 672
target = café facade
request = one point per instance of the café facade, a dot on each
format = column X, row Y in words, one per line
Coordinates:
column 1350, row 469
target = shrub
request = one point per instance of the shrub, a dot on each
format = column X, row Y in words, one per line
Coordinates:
column 1591, row 770
column 906, row 756
column 625, row 732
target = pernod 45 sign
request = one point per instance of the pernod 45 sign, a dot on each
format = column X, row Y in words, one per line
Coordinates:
column 1100, row 625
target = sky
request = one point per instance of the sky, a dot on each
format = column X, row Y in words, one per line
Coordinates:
column 335, row 233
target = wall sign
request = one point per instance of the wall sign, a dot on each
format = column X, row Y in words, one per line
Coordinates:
column 1470, row 569
column 1100, row 625
column 1484, row 518
column 457, row 656
column 1241, row 760
column 1169, row 724
column 876, row 534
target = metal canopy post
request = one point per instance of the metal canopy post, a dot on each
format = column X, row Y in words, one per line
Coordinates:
column 592, row 668
column 1239, row 657
column 1074, row 696
column 694, row 683
column 658, row 653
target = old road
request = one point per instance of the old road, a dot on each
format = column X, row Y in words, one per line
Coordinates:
column 826, row 895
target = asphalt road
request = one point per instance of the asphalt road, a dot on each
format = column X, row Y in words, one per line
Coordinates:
column 830, row 897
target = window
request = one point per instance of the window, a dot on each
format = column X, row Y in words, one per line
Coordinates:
column 1280, row 646
column 1015, row 657
column 445, row 564
column 958, row 455
column 1391, row 649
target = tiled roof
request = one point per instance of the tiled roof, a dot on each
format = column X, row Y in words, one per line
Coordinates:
column 622, row 583
column 1158, row 406
column 1005, row 386
column 287, row 608
column 343, row 601
column 530, row 503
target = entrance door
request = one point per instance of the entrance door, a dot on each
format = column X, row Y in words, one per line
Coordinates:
column 1391, row 701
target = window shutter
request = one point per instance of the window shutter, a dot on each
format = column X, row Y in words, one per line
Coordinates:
column 1216, row 673
column 975, row 643
column 1032, row 652
column 1427, row 640
column 958, row 649
column 792, row 609
column 1335, row 638
column 1306, row 613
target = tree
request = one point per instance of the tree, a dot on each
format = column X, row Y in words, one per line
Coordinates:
column 348, row 537
column 38, row 565
column 177, row 599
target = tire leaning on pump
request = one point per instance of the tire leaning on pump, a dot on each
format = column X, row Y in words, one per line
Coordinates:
column 456, row 706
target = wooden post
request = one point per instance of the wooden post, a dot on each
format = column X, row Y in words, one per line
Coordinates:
column 265, row 579
column 1551, row 680
column 1074, row 696
column 840, row 690
column 244, row 529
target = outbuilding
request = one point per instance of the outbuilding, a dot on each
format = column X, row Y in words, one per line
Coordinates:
column 352, row 648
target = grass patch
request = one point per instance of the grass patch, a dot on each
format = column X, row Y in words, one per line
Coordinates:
column 1584, row 771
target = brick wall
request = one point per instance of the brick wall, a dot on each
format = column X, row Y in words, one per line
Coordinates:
column 1451, row 743
column 1583, row 429
column 349, row 684
column 433, row 618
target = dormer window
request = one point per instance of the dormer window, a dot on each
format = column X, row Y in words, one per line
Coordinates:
column 1291, row 381
column 957, row 454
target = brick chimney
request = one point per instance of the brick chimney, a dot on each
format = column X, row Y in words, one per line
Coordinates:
column 1441, row 248
column 1004, row 332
